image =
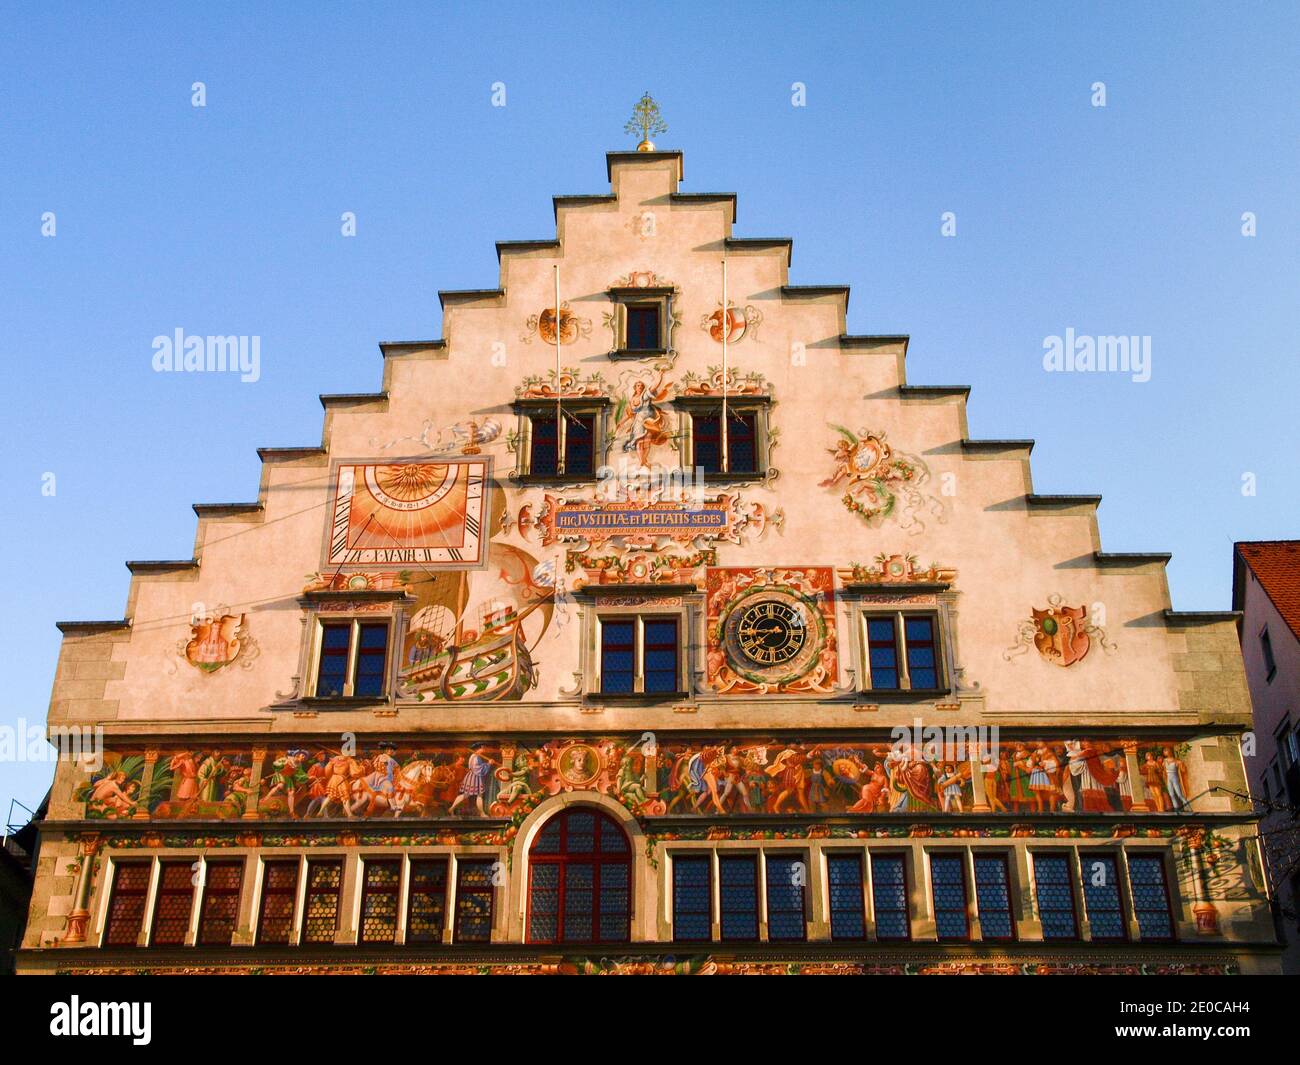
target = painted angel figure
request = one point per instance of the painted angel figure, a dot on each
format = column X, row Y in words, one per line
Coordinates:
column 646, row 423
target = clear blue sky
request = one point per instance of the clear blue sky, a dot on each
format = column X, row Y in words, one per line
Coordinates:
column 225, row 220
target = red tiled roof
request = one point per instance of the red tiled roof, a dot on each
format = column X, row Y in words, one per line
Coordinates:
column 1276, row 565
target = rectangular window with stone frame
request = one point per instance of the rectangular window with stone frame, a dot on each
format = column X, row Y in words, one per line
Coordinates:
column 902, row 649
column 642, row 321
column 559, row 441
column 730, row 448
column 352, row 655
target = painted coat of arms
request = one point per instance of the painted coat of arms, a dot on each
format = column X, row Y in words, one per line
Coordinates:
column 1060, row 634
column 215, row 640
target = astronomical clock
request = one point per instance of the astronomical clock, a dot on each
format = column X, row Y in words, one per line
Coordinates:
column 772, row 634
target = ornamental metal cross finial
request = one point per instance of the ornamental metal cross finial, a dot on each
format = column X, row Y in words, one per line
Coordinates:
column 646, row 120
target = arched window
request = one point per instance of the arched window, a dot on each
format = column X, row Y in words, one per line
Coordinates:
column 580, row 880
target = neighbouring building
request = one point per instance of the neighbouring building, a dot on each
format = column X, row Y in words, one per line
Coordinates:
column 1266, row 592
column 653, row 623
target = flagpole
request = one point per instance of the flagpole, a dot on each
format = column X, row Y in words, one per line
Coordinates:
column 559, row 385
column 726, row 328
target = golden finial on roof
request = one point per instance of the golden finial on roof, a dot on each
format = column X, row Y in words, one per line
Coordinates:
column 646, row 120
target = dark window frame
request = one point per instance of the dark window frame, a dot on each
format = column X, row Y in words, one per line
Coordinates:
column 692, row 861
column 747, row 435
column 164, row 891
column 588, row 412
column 851, row 913
column 1266, row 649
column 466, row 892
column 727, row 861
column 906, row 909
column 801, row 909
column 417, row 890
column 625, row 299
column 277, row 891
column 120, row 892
column 208, row 901
column 335, row 892
column 640, row 620
column 563, row 858
column 1111, row 859
column 1039, row 856
column 901, row 647
column 1008, row 910
column 371, row 891
column 1158, row 862
column 958, row 860
column 352, row 655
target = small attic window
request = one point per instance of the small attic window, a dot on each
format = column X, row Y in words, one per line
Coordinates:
column 643, row 327
column 641, row 321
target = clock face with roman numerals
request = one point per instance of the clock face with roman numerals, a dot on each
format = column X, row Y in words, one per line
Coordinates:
column 424, row 514
column 772, row 634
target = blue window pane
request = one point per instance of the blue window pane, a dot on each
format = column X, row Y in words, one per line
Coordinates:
column 545, row 451
column 993, row 897
column 612, row 839
column 918, row 630
column 739, row 890
column 1055, row 897
column 582, row 833
column 785, row 916
column 844, row 873
column 881, row 629
column 371, row 660
column 336, row 637
column 1101, row 896
column 948, row 883
column 1150, row 896
column 617, row 658
column 691, row 901
column 889, row 897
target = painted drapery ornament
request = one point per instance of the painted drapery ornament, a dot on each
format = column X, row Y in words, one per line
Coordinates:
column 880, row 483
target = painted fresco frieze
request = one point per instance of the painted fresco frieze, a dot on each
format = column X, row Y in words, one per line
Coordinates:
column 712, row 777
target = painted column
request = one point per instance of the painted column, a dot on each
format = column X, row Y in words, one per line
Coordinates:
column 1205, row 912
column 79, row 918
column 254, row 784
column 979, row 794
column 1136, row 781
column 146, row 785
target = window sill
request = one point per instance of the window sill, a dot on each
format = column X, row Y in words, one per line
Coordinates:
column 341, row 702
column 640, row 698
column 748, row 477
column 638, row 353
column 552, row 480
column 898, row 695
